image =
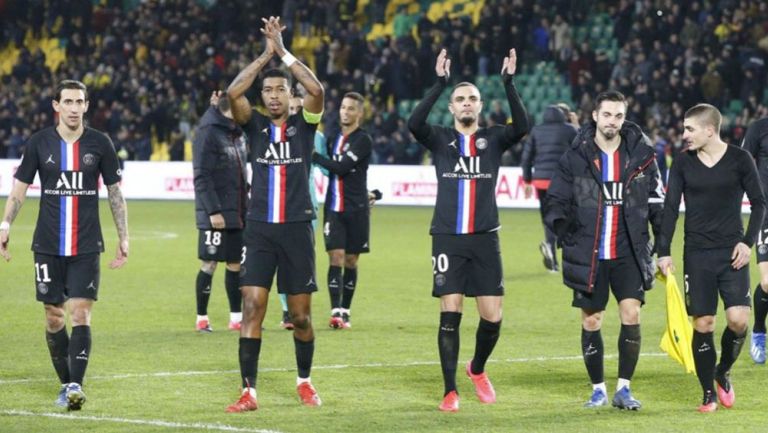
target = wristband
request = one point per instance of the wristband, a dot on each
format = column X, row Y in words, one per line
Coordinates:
column 5, row 225
column 288, row 59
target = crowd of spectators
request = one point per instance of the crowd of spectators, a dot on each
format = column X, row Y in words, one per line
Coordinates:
column 151, row 67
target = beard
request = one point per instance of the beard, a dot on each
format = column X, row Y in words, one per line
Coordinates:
column 609, row 134
column 467, row 120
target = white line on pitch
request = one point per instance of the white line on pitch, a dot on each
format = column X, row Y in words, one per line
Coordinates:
column 150, row 422
column 318, row 367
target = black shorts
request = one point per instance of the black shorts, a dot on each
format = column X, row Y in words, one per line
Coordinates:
column 621, row 276
column 220, row 245
column 286, row 249
column 762, row 244
column 467, row 264
column 348, row 231
column 709, row 272
column 58, row 278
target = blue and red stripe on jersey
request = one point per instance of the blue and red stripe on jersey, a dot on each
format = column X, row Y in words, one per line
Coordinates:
column 337, row 183
column 467, row 191
column 277, row 177
column 611, row 176
column 68, row 204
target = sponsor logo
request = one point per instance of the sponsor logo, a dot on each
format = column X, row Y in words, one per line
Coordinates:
column 311, row 282
column 703, row 348
column 452, row 144
column 91, row 286
column 439, row 280
column 42, row 288
column 89, row 159
column 481, row 143
column 70, row 183
column 613, row 192
column 83, row 355
column 590, row 350
column 467, row 167
column 279, row 154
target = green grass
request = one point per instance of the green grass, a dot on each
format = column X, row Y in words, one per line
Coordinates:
column 381, row 376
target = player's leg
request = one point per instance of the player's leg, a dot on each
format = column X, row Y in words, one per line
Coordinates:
column 49, row 285
column 757, row 346
column 249, row 346
column 700, row 273
column 627, row 286
column 451, row 306
column 82, row 276
column 592, row 306
column 233, row 244
column 734, row 289
column 357, row 242
column 350, row 283
column 489, row 308
column 335, row 284
column 203, row 295
column 304, row 344
column 286, row 322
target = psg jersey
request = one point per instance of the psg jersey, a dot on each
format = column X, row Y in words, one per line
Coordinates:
column 281, row 158
column 614, row 242
column 68, row 221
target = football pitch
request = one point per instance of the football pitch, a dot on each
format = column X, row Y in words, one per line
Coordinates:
column 151, row 372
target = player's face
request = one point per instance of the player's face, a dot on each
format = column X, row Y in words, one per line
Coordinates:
column 466, row 105
column 294, row 104
column 275, row 94
column 71, row 107
column 609, row 118
column 350, row 112
column 695, row 134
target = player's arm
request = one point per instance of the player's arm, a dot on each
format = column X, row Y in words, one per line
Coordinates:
column 203, row 164
column 12, row 208
column 520, row 125
column 321, row 149
column 559, row 214
column 656, row 194
column 358, row 151
column 417, row 123
column 120, row 215
column 750, row 181
column 315, row 94
column 751, row 142
column 675, row 187
column 241, row 108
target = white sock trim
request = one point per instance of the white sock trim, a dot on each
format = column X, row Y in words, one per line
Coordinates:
column 601, row 385
column 199, row 317
column 251, row 391
column 300, row 380
column 236, row 317
column 622, row 383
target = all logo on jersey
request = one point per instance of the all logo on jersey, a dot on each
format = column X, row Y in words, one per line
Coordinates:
column 468, row 165
column 613, row 193
column 70, row 183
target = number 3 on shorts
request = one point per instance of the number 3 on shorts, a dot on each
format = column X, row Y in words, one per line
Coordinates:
column 242, row 258
column 439, row 264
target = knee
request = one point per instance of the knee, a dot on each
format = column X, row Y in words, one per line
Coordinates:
column 704, row 324
column 592, row 322
column 350, row 261
column 630, row 316
column 764, row 283
column 739, row 325
column 81, row 316
column 54, row 318
column 300, row 321
column 208, row 267
column 337, row 258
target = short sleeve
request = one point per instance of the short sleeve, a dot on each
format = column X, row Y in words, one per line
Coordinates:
column 109, row 165
column 29, row 162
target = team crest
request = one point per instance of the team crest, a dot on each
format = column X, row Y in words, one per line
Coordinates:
column 211, row 249
column 89, row 159
column 481, row 143
column 762, row 249
column 291, row 131
column 42, row 288
column 439, row 280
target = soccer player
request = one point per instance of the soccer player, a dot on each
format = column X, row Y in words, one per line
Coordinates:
column 69, row 158
column 219, row 158
column 756, row 143
column 713, row 176
column 543, row 148
column 605, row 191
column 466, row 256
column 278, row 235
column 346, row 215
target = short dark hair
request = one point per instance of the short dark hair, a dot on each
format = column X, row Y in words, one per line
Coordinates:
column 356, row 96
column 707, row 114
column 69, row 84
column 610, row 95
column 224, row 104
column 462, row 84
column 276, row 73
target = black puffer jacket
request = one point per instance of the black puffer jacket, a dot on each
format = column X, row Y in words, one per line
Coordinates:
column 575, row 199
column 546, row 144
column 219, row 163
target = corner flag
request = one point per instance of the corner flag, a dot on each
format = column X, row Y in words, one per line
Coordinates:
column 679, row 333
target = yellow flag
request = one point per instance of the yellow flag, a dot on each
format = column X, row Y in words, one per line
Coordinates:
column 676, row 340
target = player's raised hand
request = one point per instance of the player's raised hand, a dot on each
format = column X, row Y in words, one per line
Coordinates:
column 510, row 63
column 215, row 96
column 443, row 66
column 272, row 30
column 121, row 256
column 4, row 238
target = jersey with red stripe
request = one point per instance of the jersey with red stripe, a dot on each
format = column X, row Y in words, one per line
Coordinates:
column 467, row 167
column 281, row 158
column 614, row 242
column 347, row 167
column 68, row 220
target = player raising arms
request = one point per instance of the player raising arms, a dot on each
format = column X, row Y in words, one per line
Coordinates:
column 466, row 256
column 278, row 237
